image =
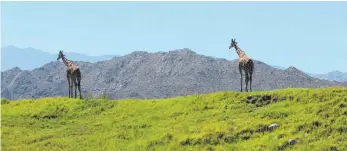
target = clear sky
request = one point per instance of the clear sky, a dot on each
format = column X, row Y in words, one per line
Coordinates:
column 311, row 36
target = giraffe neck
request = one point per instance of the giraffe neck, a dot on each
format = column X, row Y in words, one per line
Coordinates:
column 239, row 51
column 67, row 62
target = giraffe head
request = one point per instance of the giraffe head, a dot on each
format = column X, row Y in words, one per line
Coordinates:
column 60, row 55
column 233, row 43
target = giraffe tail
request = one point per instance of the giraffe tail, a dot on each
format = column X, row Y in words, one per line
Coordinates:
column 78, row 75
column 78, row 78
column 251, row 67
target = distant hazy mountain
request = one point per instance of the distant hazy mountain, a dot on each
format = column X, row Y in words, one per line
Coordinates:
column 331, row 76
column 152, row 75
column 30, row 58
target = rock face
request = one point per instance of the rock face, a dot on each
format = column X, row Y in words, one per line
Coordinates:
column 151, row 75
column 291, row 141
column 273, row 126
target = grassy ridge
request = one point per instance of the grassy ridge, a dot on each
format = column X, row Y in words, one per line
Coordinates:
column 315, row 118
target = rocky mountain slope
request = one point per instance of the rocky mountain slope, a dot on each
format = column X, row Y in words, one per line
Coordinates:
column 151, row 75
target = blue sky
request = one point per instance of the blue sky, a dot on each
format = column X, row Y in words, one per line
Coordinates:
column 311, row 36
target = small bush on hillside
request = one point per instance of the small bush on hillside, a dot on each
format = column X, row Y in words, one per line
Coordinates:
column 5, row 101
column 104, row 97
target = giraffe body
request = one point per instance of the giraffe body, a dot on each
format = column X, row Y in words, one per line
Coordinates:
column 73, row 75
column 246, row 65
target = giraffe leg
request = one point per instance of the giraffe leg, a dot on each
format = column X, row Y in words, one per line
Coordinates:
column 68, row 81
column 71, row 88
column 251, row 69
column 75, row 86
column 240, row 70
column 79, row 88
column 241, row 82
column 71, row 85
column 79, row 82
column 250, row 82
column 246, row 80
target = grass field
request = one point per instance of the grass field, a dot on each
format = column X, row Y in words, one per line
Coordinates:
column 315, row 118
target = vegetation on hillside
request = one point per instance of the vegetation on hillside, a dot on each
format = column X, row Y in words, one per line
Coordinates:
column 315, row 118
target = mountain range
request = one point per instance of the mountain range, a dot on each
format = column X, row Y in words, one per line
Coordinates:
column 152, row 75
column 331, row 76
column 30, row 58
column 33, row 58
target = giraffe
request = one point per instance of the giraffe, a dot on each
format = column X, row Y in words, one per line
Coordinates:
column 245, row 64
column 73, row 75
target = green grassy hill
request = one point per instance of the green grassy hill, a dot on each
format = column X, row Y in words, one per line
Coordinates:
column 315, row 118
